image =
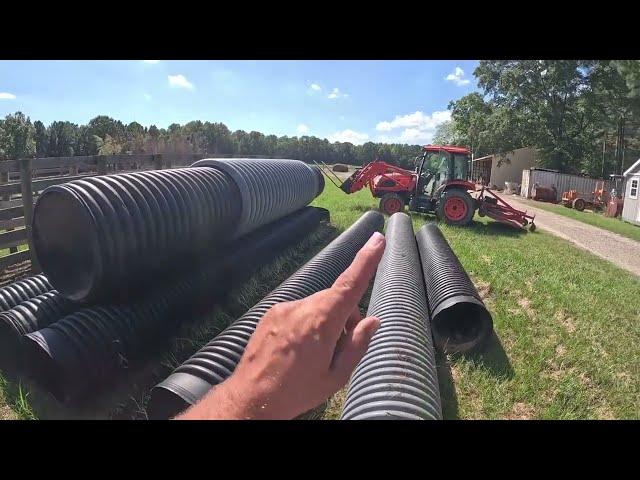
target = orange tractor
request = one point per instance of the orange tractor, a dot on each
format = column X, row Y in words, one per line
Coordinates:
column 438, row 185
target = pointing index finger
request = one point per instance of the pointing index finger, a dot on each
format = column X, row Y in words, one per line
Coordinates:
column 350, row 286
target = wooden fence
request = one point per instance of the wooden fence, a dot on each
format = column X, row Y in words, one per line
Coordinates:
column 21, row 181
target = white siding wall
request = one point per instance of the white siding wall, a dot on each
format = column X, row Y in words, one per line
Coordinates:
column 631, row 205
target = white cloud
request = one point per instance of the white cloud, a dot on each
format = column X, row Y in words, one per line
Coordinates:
column 349, row 136
column 335, row 93
column 417, row 127
column 180, row 81
column 457, row 77
column 147, row 96
column 302, row 128
column 315, row 86
column 7, row 96
column 151, row 62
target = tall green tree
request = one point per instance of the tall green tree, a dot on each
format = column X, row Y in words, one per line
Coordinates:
column 18, row 139
column 63, row 138
column 42, row 139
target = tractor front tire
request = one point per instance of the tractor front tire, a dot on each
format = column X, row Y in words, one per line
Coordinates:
column 456, row 207
column 391, row 203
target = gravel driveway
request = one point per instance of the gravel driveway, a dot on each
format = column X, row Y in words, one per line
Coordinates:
column 619, row 250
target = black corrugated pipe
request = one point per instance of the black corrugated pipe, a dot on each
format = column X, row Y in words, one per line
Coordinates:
column 31, row 315
column 85, row 351
column 102, row 236
column 270, row 188
column 320, row 176
column 397, row 378
column 16, row 293
column 459, row 318
column 218, row 359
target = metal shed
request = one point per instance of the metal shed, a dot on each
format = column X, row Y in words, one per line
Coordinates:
column 631, row 209
column 562, row 181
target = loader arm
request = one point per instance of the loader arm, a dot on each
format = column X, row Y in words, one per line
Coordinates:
column 364, row 176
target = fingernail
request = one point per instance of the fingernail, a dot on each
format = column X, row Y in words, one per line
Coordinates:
column 376, row 239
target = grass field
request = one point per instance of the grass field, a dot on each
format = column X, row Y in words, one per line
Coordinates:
column 567, row 342
column 614, row 225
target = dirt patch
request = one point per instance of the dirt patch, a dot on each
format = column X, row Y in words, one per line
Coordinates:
column 525, row 304
column 521, row 411
column 566, row 321
column 560, row 350
column 6, row 413
column 484, row 290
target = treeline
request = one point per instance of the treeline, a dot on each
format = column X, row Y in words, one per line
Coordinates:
column 582, row 116
column 20, row 138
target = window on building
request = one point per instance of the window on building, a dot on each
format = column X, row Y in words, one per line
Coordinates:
column 633, row 192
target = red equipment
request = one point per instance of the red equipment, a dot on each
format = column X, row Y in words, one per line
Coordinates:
column 438, row 186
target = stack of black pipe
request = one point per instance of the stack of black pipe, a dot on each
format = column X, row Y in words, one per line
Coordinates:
column 26, row 317
column 217, row 360
column 16, row 293
column 102, row 238
column 87, row 349
column 397, row 378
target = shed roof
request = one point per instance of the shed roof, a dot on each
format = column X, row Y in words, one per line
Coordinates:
column 635, row 168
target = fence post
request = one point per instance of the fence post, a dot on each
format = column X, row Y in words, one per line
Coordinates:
column 157, row 161
column 168, row 163
column 101, row 164
column 27, row 205
column 4, row 178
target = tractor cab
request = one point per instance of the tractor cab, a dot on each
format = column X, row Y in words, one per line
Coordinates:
column 436, row 169
column 439, row 165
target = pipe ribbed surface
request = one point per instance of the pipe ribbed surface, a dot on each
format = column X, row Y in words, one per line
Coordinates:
column 218, row 359
column 16, row 293
column 102, row 236
column 31, row 315
column 88, row 348
column 397, row 378
column 270, row 188
column 459, row 318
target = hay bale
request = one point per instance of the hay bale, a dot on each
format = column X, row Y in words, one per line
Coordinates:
column 339, row 167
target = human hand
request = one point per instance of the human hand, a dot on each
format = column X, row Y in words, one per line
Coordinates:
column 301, row 352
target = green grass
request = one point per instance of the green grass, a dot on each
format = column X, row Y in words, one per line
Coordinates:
column 567, row 330
column 596, row 219
column 568, row 336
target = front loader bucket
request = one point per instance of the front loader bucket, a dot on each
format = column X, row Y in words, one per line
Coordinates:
column 346, row 186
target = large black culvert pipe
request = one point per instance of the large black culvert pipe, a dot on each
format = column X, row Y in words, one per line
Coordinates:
column 102, row 236
column 459, row 318
column 85, row 350
column 22, row 290
column 320, row 176
column 397, row 378
column 218, row 359
column 31, row 315
column 270, row 188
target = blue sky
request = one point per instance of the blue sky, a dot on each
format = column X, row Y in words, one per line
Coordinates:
column 347, row 100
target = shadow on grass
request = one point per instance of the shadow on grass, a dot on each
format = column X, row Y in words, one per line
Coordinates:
column 364, row 208
column 493, row 358
column 447, row 388
column 492, row 228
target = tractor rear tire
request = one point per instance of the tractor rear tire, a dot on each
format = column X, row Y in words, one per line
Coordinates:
column 391, row 203
column 579, row 204
column 456, row 207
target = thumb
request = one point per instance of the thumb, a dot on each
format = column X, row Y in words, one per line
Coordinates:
column 352, row 347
